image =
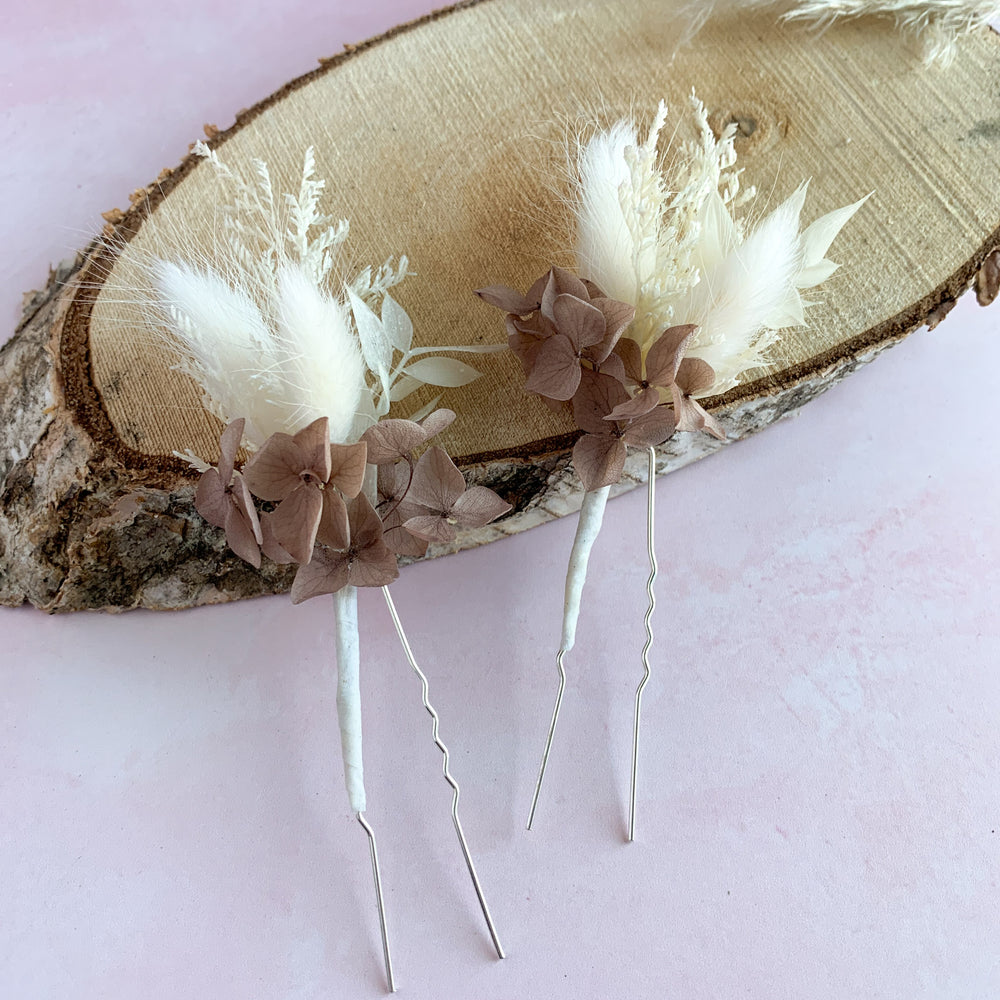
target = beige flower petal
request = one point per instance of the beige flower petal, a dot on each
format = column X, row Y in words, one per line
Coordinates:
column 434, row 423
column 327, row 573
column 314, row 441
column 637, row 406
column 273, row 473
column 695, row 376
column 334, row 530
column 651, row 429
column 240, row 536
column 508, row 300
column 347, row 467
column 664, row 357
column 296, row 521
column 579, row 321
column 437, row 482
column 556, row 369
column 211, row 499
column 477, row 506
column 561, row 282
column 597, row 396
column 391, row 440
column 599, row 460
column 229, row 443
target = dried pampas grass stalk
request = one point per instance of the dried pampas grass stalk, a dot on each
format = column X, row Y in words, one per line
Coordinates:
column 937, row 24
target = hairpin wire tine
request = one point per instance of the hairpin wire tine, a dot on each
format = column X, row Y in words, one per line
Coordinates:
column 435, row 723
column 552, row 732
column 381, row 901
column 648, row 622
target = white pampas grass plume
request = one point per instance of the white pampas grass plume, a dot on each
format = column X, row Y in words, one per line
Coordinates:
column 744, row 295
column 321, row 364
column 658, row 231
column 280, row 376
column 937, row 24
column 605, row 245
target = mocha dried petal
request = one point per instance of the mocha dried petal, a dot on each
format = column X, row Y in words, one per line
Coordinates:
column 637, row 406
column 599, row 460
column 347, row 467
column 664, row 357
column 508, row 300
column 579, row 322
column 287, row 462
column 438, row 500
column 434, row 423
column 651, row 429
column 598, row 396
column 556, row 369
column 561, row 282
column 222, row 498
column 392, row 440
column 366, row 562
column 295, row 522
column 694, row 375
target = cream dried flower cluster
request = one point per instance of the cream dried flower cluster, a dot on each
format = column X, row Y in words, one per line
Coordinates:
column 678, row 294
column 275, row 333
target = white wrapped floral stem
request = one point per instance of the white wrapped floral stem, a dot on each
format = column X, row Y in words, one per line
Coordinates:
column 345, row 603
column 588, row 528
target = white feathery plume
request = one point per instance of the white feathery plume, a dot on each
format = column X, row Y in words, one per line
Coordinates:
column 936, row 24
column 682, row 256
column 740, row 296
column 272, row 333
column 321, row 365
column 605, row 242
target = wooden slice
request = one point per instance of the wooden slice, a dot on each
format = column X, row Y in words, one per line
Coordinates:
column 445, row 140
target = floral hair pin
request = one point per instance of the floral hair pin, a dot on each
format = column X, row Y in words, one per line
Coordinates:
column 678, row 295
column 302, row 370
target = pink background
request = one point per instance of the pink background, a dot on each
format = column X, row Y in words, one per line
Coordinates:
column 818, row 802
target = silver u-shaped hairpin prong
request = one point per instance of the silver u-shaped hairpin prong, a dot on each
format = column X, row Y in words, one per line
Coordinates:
column 648, row 622
column 552, row 732
column 376, row 871
column 453, row 784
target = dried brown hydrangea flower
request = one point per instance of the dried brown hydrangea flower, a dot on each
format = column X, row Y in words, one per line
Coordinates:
column 224, row 500
column 298, row 470
column 564, row 322
column 438, row 500
column 358, row 557
column 601, row 410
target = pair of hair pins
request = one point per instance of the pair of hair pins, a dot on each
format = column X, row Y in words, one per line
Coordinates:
column 676, row 294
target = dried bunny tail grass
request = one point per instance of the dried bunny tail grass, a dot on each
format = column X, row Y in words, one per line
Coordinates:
column 743, row 297
column 221, row 339
column 322, row 369
column 280, row 377
column 606, row 243
column 937, row 24
column 637, row 212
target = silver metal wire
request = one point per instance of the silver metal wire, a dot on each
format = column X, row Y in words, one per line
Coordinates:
column 381, row 901
column 648, row 622
column 435, row 723
column 552, row 732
